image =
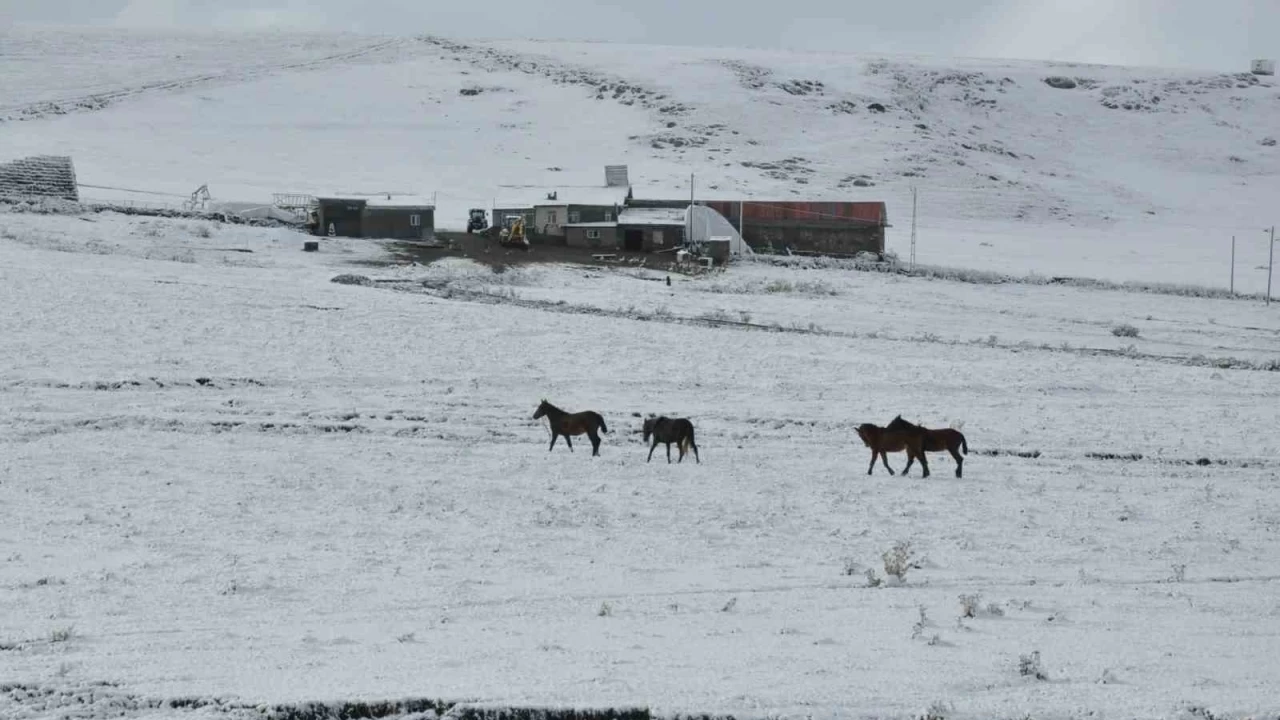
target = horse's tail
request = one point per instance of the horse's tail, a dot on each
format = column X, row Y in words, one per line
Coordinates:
column 603, row 428
column 964, row 444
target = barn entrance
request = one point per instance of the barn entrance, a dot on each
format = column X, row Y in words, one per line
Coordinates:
column 344, row 216
column 633, row 241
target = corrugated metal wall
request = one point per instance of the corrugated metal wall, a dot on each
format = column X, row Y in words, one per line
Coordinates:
column 819, row 212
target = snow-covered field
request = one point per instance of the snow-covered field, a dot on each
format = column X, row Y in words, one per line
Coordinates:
column 1135, row 173
column 225, row 476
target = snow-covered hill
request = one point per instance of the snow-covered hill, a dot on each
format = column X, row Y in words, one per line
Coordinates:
column 1131, row 173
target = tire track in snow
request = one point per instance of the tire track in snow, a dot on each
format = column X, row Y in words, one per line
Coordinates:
column 449, row 293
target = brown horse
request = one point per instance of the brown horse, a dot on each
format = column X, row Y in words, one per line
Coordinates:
column 569, row 424
column 882, row 440
column 946, row 439
column 671, row 430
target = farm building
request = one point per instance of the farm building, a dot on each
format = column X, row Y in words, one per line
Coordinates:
column 588, row 205
column 649, row 229
column 634, row 230
column 827, row 228
column 500, row 215
column 387, row 217
column 603, row 235
column 659, row 230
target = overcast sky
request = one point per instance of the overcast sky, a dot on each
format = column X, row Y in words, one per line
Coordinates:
column 1209, row 34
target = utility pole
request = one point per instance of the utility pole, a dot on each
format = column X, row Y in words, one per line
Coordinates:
column 688, row 234
column 1271, row 261
column 1233, row 264
column 913, row 227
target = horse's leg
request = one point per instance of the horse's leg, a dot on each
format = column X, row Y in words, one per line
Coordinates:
column 568, row 442
column 682, row 448
column 595, row 443
column 668, row 453
column 910, row 459
column 959, row 461
column 884, row 458
column 694, row 445
column 553, row 442
column 924, row 462
column 872, row 466
column 652, row 448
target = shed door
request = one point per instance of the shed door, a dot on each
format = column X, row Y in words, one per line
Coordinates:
column 657, row 238
column 344, row 218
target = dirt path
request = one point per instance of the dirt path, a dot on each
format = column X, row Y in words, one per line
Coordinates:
column 482, row 249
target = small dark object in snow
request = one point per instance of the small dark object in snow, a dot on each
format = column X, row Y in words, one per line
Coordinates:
column 1131, row 457
column 351, row 280
column 668, row 281
column 876, row 107
column 1061, row 83
column 311, row 246
column 1204, row 461
column 203, row 381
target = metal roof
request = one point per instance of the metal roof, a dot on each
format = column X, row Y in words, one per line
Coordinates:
column 400, row 201
column 564, row 196
column 382, row 201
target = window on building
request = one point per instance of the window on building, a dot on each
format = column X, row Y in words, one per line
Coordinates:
column 551, row 217
column 415, row 220
column 608, row 217
column 593, row 234
column 575, row 217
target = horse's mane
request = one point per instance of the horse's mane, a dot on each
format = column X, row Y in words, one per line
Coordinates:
column 898, row 422
column 553, row 408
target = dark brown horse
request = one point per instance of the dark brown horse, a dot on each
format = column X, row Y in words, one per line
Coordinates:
column 947, row 439
column 570, row 424
column 883, row 440
column 671, row 430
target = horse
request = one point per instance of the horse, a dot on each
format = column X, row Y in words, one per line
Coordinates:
column 883, row 440
column 671, row 430
column 568, row 424
column 946, row 439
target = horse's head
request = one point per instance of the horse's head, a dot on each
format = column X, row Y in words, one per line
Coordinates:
column 649, row 422
column 542, row 409
column 866, row 432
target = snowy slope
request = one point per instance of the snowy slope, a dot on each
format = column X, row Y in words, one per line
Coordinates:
column 1136, row 173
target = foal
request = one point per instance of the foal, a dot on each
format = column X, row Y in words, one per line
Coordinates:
column 568, row 424
column 671, row 430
